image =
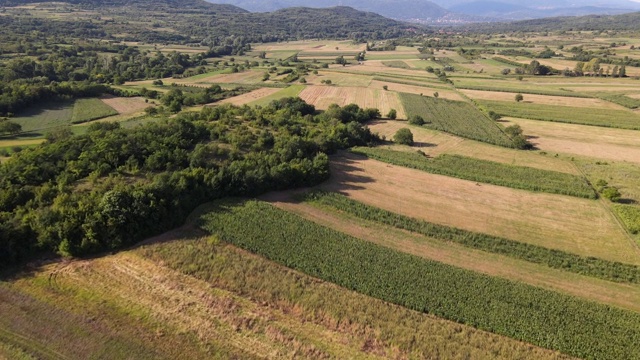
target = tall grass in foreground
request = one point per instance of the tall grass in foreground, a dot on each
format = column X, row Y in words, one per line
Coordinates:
column 490, row 172
column 557, row 259
column 541, row 317
column 455, row 117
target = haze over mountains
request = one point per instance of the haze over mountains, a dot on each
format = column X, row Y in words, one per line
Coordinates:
column 454, row 11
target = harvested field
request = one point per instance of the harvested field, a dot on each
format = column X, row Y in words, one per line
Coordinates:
column 434, row 143
column 543, row 99
column 599, row 143
column 323, row 96
column 250, row 96
column 414, row 89
column 579, row 226
column 291, row 91
column 245, row 77
column 340, row 79
column 126, row 106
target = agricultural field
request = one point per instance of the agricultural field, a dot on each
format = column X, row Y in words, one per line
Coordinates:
column 458, row 244
column 85, row 110
column 323, row 96
column 455, row 117
column 579, row 226
column 614, row 118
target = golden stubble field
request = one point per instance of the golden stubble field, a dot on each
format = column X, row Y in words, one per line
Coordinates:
column 323, row 96
column 579, row 226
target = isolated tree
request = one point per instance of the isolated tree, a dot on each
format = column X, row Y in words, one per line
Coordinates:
column 9, row 127
column 519, row 97
column 385, row 87
column 392, row 114
column 612, row 193
column 416, row 120
column 403, row 136
column 623, row 71
column 436, row 95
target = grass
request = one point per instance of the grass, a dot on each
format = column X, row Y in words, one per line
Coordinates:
column 524, row 90
column 620, row 99
column 291, row 91
column 622, row 119
column 517, row 177
column 86, row 110
column 630, row 216
column 455, row 117
column 45, row 116
column 541, row 317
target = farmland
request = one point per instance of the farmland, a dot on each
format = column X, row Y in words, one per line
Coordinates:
column 295, row 243
column 489, row 172
column 177, row 183
column 455, row 117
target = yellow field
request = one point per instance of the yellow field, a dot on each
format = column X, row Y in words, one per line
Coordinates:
column 126, row 106
column 413, row 89
column 543, row 99
column 340, row 79
column 590, row 141
column 250, row 96
column 435, row 143
column 579, row 226
column 323, row 96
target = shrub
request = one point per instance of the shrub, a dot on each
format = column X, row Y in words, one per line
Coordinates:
column 416, row 120
column 519, row 97
column 392, row 114
column 612, row 193
column 403, row 136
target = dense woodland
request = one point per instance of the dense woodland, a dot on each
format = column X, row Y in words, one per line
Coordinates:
column 112, row 186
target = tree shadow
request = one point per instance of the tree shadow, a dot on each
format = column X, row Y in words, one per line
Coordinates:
column 627, row 201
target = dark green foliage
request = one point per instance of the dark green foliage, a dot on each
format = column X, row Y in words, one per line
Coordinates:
column 9, row 127
column 114, row 186
column 455, row 117
column 612, row 193
column 518, row 177
column 589, row 266
column 416, row 120
column 403, row 137
column 392, row 114
column 541, row 317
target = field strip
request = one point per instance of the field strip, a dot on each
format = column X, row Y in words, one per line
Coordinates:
column 574, row 225
column 126, row 106
column 599, row 143
column 29, row 345
column 621, row 295
column 250, row 96
column 434, row 143
column 323, row 96
column 543, row 99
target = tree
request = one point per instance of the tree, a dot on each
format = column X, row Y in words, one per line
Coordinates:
column 403, row 136
column 392, row 114
column 436, row 95
column 519, row 97
column 385, row 87
column 612, row 193
column 9, row 127
column 416, row 120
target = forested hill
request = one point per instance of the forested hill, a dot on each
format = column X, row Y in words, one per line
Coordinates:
column 192, row 21
column 577, row 23
column 140, row 4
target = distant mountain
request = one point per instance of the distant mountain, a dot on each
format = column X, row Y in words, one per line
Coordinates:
column 627, row 21
column 405, row 10
column 508, row 11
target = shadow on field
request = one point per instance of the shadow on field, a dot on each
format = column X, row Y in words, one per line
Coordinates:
column 346, row 174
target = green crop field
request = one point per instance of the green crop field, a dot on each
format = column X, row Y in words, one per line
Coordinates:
column 541, row 317
column 455, row 117
column 630, row 216
column 518, row 177
column 622, row 119
column 396, row 64
column 85, row 110
column 45, row 116
column 293, row 90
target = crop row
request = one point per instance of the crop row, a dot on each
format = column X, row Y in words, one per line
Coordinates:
column 557, row 259
column 622, row 100
column 623, row 119
column 490, row 172
column 508, row 62
column 455, row 117
column 541, row 317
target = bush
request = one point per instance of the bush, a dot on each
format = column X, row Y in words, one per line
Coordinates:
column 403, row 136
column 612, row 193
column 416, row 120
column 519, row 97
column 392, row 114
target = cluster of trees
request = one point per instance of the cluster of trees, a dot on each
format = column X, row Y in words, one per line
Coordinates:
column 113, row 186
